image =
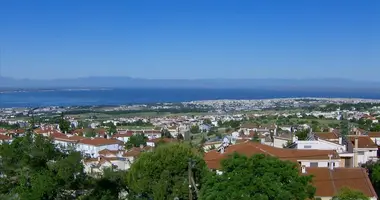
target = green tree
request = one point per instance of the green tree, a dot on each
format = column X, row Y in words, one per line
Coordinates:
column 207, row 121
column 136, row 141
column 165, row 133
column 258, row 177
column 349, row 194
column 255, row 137
column 108, row 187
column 163, row 173
column 33, row 168
column 180, row 136
column 112, row 129
column 64, row 125
column 344, row 127
column 90, row 133
column 194, row 129
column 373, row 169
column 302, row 134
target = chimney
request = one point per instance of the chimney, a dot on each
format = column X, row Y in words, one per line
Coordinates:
column 99, row 159
column 340, row 140
column 222, row 150
column 356, row 162
column 141, row 146
column 303, row 169
column 331, row 163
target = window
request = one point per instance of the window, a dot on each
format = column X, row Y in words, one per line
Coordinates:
column 307, row 146
column 360, row 152
column 313, row 164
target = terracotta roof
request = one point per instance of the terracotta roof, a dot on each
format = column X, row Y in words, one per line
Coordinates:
column 4, row 137
column 107, row 151
column 2, row 131
column 99, row 141
column 214, row 157
column 136, row 151
column 166, row 140
column 373, row 134
column 363, row 141
column 327, row 136
column 329, row 182
column 126, row 134
column 249, row 126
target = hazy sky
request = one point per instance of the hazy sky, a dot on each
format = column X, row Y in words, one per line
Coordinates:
column 190, row 38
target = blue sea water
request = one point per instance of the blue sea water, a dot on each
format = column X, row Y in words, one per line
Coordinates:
column 135, row 96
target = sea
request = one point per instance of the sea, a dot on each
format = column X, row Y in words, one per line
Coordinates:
column 114, row 97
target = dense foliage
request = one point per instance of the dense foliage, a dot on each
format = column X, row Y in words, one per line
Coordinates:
column 348, row 194
column 136, row 141
column 163, row 173
column 33, row 168
column 258, row 177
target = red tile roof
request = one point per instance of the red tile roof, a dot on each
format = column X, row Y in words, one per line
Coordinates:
column 363, row 141
column 329, row 182
column 100, row 141
column 213, row 158
column 4, row 137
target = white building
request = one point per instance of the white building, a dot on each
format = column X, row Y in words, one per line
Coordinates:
column 91, row 146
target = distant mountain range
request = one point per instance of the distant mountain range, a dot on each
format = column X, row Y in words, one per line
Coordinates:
column 127, row 82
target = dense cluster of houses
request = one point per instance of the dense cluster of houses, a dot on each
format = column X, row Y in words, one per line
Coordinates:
column 333, row 159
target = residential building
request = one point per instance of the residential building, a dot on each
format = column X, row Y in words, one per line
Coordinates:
column 308, row 158
column 91, row 146
column 328, row 181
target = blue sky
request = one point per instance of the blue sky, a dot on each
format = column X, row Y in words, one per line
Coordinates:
column 45, row 39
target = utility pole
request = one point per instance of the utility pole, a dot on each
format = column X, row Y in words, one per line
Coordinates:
column 190, row 177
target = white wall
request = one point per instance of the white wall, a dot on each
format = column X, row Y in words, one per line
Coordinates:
column 279, row 143
column 365, row 155
column 321, row 145
column 93, row 150
column 321, row 163
column 123, row 139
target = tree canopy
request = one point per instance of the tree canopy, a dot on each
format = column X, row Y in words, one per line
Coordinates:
column 349, row 194
column 136, row 141
column 64, row 125
column 258, row 177
column 33, row 168
column 163, row 173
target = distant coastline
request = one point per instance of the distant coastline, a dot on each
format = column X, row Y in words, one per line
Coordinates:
column 115, row 97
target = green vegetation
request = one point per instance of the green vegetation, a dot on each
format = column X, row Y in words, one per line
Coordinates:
column 257, row 177
column 373, row 169
column 163, row 173
column 348, row 194
column 234, row 124
column 136, row 141
column 64, row 125
column 33, row 168
column 8, row 126
column 194, row 129
column 138, row 123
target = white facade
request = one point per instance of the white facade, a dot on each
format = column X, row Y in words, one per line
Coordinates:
column 320, row 145
column 320, row 163
column 279, row 142
column 93, row 150
column 366, row 154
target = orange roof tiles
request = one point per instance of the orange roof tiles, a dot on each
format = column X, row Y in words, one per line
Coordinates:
column 327, row 136
column 4, row 137
column 100, row 141
column 363, row 141
column 213, row 157
column 374, row 134
column 329, row 182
